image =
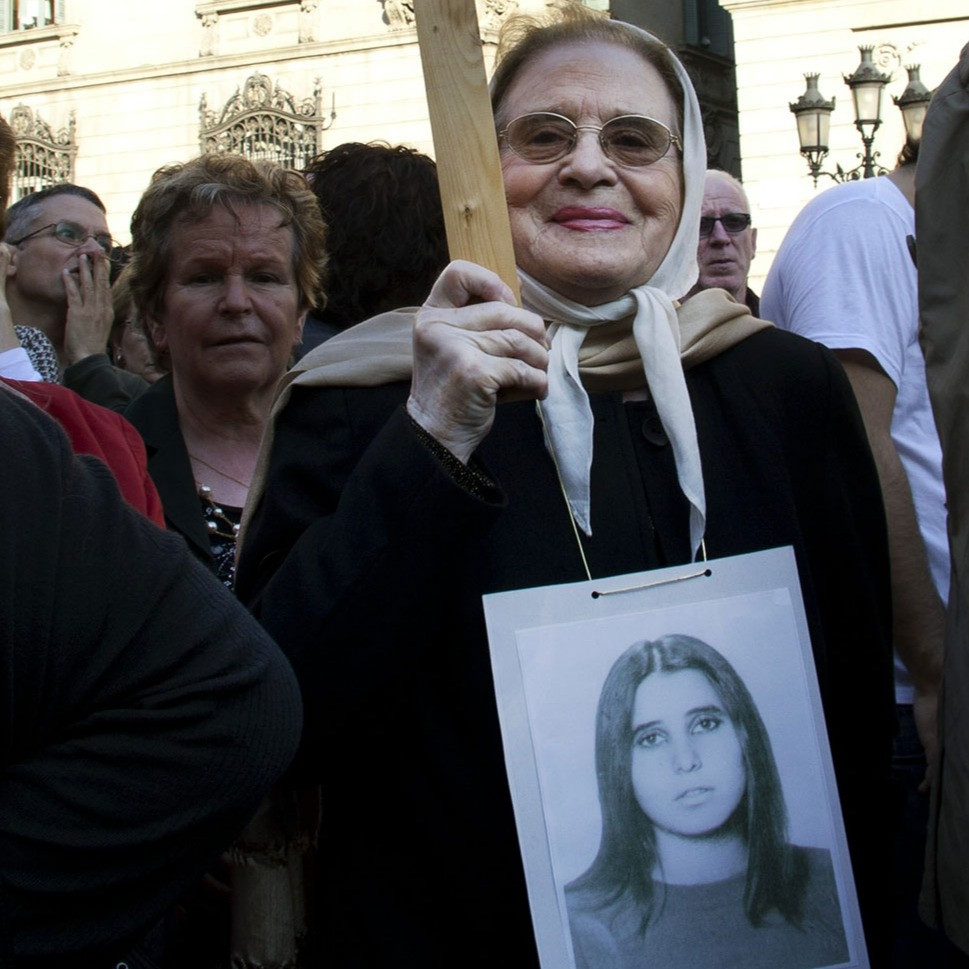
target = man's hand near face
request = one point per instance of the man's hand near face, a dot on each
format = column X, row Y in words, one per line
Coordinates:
column 89, row 311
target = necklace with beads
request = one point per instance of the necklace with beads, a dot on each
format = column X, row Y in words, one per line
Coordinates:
column 222, row 522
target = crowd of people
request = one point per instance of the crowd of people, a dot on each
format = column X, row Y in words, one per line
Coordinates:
column 287, row 449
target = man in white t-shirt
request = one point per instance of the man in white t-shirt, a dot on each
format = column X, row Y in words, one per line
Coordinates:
column 844, row 277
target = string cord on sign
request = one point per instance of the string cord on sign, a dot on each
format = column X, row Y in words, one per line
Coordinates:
column 596, row 594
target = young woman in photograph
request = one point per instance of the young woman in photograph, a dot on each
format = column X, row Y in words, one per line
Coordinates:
column 694, row 866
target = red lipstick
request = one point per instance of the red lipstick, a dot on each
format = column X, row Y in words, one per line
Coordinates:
column 587, row 219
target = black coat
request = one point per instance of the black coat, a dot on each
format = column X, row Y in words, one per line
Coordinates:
column 155, row 416
column 366, row 561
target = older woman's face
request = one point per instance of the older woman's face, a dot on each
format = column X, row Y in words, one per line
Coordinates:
column 688, row 772
column 585, row 226
column 231, row 304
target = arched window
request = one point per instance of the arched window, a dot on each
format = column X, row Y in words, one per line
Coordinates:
column 259, row 122
column 44, row 157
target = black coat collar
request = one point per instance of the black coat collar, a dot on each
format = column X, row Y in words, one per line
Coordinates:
column 155, row 416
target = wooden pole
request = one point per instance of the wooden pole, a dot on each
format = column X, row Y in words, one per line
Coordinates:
column 465, row 144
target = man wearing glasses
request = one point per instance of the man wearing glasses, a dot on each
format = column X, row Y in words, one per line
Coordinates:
column 58, row 282
column 727, row 240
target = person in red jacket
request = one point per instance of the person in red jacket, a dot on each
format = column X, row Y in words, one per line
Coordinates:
column 102, row 433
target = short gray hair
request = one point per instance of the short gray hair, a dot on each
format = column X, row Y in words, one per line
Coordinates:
column 22, row 213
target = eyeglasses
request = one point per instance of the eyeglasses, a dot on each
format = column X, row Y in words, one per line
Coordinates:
column 631, row 140
column 733, row 223
column 71, row 234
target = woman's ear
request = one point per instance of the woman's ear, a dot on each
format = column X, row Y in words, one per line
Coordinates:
column 298, row 338
column 157, row 332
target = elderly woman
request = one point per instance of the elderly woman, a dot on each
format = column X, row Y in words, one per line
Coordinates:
column 399, row 490
column 694, row 864
column 226, row 260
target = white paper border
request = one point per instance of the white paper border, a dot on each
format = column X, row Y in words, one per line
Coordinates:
column 551, row 650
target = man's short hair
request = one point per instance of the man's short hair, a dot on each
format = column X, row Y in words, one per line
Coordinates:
column 733, row 180
column 909, row 154
column 21, row 214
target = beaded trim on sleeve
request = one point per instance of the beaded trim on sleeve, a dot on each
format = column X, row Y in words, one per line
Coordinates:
column 469, row 476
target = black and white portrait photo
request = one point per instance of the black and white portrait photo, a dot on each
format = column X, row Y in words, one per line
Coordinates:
column 678, row 807
column 694, row 851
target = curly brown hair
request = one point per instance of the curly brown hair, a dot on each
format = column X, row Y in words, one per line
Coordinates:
column 186, row 193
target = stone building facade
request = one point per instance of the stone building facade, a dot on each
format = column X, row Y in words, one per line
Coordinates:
column 106, row 93
column 131, row 87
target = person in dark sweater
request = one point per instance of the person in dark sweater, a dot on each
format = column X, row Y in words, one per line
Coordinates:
column 145, row 714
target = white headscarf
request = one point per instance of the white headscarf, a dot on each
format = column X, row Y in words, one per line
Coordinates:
column 568, row 414
column 380, row 350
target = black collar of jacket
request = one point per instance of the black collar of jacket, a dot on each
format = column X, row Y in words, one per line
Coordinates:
column 155, row 416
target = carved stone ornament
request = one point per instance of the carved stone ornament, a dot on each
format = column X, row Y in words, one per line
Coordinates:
column 495, row 12
column 262, row 25
column 65, row 61
column 210, row 23
column 28, row 58
column 307, row 34
column 888, row 58
column 398, row 14
column 713, row 131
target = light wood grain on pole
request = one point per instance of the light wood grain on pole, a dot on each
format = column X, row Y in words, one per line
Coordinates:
column 465, row 145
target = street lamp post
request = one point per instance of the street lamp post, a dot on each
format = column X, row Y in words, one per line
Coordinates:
column 913, row 104
column 813, row 116
column 867, row 83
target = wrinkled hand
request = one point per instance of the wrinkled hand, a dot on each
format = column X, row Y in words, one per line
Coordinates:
column 472, row 344
column 89, row 311
column 8, row 336
column 926, row 711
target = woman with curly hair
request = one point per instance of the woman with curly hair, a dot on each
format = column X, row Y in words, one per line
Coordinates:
column 227, row 257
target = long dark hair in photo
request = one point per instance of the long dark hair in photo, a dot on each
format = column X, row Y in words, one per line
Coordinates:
column 627, row 855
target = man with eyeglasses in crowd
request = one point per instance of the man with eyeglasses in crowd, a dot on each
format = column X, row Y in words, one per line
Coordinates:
column 728, row 243
column 57, row 281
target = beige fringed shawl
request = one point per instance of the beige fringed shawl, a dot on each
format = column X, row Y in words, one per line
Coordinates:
column 271, row 866
column 379, row 351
